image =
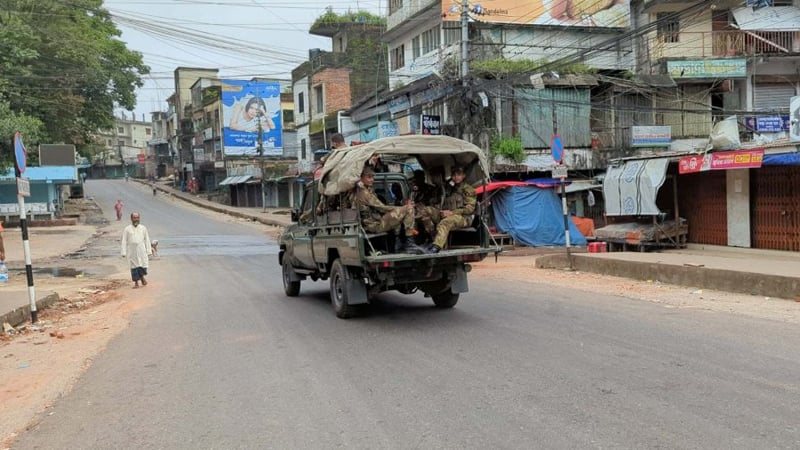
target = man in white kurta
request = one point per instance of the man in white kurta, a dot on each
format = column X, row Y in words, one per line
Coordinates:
column 136, row 247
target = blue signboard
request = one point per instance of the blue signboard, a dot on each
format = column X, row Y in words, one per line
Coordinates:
column 767, row 124
column 248, row 106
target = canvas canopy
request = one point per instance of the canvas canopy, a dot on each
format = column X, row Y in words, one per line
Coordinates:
column 343, row 168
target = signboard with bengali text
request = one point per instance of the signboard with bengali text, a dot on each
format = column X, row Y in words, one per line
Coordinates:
column 707, row 68
column 651, row 136
column 740, row 159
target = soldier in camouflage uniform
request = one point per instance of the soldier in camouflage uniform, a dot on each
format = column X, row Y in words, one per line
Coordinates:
column 427, row 199
column 378, row 218
column 457, row 209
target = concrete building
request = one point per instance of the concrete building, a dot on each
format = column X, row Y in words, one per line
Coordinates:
column 125, row 149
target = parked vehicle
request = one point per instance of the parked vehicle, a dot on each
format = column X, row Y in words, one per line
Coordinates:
column 329, row 243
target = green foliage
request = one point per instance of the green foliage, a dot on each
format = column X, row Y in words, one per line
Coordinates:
column 501, row 68
column 63, row 64
column 509, row 148
column 350, row 17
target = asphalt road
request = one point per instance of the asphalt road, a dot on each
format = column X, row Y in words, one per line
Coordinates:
column 225, row 360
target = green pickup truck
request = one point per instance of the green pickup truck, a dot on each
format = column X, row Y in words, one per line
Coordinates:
column 328, row 242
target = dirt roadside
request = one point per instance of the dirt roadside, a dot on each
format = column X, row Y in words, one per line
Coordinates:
column 41, row 364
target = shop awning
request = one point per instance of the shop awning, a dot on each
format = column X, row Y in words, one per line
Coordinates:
column 770, row 18
column 630, row 189
column 235, row 180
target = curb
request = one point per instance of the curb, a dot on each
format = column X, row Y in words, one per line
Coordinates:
column 208, row 205
column 23, row 313
column 700, row 277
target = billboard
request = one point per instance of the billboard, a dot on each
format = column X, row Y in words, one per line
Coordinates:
column 579, row 13
column 246, row 107
column 57, row 155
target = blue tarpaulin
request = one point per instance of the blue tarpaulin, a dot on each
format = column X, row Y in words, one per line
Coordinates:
column 533, row 216
column 781, row 159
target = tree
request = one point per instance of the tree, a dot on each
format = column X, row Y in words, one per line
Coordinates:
column 66, row 66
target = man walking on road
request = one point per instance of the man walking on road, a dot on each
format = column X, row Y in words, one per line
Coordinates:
column 137, row 247
column 118, row 209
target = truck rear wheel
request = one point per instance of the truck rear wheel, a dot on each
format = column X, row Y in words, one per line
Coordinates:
column 291, row 288
column 445, row 299
column 340, row 291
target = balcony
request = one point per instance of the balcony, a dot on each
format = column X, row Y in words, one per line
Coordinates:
column 707, row 44
column 402, row 10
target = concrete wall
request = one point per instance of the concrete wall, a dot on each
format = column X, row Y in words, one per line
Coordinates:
column 738, row 198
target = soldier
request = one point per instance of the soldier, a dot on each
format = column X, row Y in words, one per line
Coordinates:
column 378, row 218
column 427, row 199
column 457, row 208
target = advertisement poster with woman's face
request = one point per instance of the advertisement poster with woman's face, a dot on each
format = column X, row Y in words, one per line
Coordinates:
column 247, row 107
column 583, row 13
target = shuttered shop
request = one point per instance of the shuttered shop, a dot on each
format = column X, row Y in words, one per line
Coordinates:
column 702, row 201
column 775, row 207
column 772, row 97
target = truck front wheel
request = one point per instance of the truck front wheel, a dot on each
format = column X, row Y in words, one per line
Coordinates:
column 291, row 288
column 445, row 299
column 340, row 291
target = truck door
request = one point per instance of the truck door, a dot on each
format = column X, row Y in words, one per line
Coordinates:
column 304, row 232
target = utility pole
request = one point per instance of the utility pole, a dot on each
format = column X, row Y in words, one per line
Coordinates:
column 465, row 69
column 261, row 155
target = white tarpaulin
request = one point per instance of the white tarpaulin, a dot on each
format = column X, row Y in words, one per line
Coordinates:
column 630, row 189
column 773, row 18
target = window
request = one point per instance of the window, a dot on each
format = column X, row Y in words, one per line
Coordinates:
column 120, row 130
column 147, row 131
column 301, row 108
column 120, row 143
column 108, row 142
column 319, row 99
column 452, row 32
column 395, row 5
column 415, row 48
column 430, row 40
column 288, row 116
column 398, row 57
column 668, row 27
column 302, row 149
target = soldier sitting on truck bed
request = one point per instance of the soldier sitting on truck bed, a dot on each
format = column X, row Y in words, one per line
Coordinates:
column 427, row 199
column 457, row 209
column 379, row 218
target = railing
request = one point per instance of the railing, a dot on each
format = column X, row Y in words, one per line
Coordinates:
column 707, row 44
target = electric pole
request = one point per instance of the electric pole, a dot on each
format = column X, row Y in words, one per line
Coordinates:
column 261, row 155
column 466, row 102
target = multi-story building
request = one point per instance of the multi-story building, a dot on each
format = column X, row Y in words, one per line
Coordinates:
column 208, row 166
column 722, row 61
column 180, row 106
column 125, row 148
column 332, row 82
column 159, row 144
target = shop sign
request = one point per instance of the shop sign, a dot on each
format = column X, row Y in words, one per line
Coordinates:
column 767, row 124
column 741, row 159
column 431, row 124
column 651, row 136
column 708, row 68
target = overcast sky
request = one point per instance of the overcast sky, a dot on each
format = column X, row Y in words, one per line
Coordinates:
column 242, row 38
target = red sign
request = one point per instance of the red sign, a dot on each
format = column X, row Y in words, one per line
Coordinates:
column 141, row 158
column 691, row 164
column 744, row 159
column 740, row 159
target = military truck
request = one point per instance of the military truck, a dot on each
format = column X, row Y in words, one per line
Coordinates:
column 328, row 242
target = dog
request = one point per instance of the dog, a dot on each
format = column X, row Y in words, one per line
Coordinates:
column 154, row 247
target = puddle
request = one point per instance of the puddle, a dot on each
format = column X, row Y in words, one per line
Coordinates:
column 67, row 272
